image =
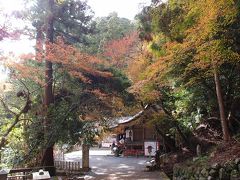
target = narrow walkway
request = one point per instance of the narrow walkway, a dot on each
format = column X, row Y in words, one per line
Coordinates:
column 105, row 167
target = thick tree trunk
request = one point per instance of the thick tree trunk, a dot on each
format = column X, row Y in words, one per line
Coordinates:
column 39, row 44
column 170, row 143
column 48, row 159
column 186, row 141
column 176, row 125
column 226, row 134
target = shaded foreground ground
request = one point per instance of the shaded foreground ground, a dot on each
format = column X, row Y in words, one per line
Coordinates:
column 107, row 167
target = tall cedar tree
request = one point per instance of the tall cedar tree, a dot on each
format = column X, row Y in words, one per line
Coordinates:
column 48, row 159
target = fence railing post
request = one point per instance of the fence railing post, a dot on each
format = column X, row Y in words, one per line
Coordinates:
column 68, row 166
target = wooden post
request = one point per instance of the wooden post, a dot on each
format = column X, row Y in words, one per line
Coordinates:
column 199, row 153
column 143, row 133
column 143, row 136
column 85, row 157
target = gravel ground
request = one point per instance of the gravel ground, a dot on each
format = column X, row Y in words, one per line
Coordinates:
column 107, row 167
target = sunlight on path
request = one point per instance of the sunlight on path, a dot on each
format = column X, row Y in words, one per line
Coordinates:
column 107, row 167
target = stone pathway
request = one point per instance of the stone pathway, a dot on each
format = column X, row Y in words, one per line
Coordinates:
column 107, row 167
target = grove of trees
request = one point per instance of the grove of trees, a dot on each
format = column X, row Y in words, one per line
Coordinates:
column 57, row 90
column 179, row 57
column 194, row 59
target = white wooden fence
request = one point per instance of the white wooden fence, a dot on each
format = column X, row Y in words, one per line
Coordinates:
column 67, row 166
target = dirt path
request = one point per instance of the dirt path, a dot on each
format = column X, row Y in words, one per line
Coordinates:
column 107, row 167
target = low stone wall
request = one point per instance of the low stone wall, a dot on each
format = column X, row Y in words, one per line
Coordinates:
column 195, row 170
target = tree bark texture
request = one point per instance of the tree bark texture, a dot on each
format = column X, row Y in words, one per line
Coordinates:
column 48, row 158
column 226, row 134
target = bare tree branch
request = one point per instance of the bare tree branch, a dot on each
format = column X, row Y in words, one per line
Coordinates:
column 17, row 118
column 6, row 107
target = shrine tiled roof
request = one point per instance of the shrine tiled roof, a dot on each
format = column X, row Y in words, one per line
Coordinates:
column 127, row 119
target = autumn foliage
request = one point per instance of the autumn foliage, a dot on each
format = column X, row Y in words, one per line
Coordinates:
column 118, row 51
column 70, row 59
